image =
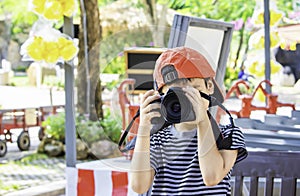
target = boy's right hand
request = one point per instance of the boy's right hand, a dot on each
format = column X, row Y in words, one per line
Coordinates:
column 149, row 110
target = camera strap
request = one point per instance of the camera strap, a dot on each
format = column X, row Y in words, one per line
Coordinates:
column 213, row 101
column 131, row 143
column 222, row 143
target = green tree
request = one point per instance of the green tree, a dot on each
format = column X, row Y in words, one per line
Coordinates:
column 21, row 20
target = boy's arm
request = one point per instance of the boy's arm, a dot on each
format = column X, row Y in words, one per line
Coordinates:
column 214, row 164
column 142, row 174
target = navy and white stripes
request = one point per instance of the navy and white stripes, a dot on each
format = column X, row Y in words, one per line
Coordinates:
column 174, row 157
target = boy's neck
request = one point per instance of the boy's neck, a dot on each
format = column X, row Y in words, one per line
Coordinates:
column 185, row 126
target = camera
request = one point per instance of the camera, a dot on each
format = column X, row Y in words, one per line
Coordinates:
column 175, row 107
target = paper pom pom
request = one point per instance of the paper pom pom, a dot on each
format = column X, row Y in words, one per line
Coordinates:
column 67, row 49
column 259, row 95
column 275, row 67
column 257, row 40
column 69, row 7
column 257, row 68
column 275, row 17
column 51, row 52
column 34, row 49
column 53, row 10
column 39, row 49
column 38, row 6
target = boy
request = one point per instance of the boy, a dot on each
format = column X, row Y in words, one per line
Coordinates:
column 186, row 157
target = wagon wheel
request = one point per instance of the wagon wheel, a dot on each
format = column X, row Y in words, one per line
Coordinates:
column 3, row 148
column 23, row 141
column 41, row 133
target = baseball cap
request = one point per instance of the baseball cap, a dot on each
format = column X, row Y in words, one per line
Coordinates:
column 183, row 62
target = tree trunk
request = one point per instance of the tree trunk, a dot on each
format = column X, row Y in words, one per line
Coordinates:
column 89, row 84
column 157, row 20
column 4, row 39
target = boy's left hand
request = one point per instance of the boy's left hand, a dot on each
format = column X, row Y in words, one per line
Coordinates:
column 200, row 104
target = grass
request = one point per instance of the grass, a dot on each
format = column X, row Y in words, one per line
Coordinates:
column 32, row 157
column 9, row 187
column 19, row 81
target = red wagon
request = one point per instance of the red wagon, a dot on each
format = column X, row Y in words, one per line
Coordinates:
column 22, row 118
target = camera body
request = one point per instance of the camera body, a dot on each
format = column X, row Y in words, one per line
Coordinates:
column 175, row 107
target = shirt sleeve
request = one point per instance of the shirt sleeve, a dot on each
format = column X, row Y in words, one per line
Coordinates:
column 237, row 141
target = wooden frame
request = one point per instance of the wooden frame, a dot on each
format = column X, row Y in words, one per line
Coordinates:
column 210, row 37
column 140, row 63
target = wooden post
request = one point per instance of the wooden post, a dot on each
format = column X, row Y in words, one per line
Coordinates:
column 70, row 131
column 267, row 44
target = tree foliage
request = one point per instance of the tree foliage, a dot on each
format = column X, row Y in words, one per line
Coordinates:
column 16, row 11
column 225, row 10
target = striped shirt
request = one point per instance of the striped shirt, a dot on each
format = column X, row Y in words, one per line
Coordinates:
column 174, row 157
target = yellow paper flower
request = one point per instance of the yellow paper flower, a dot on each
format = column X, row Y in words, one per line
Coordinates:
column 293, row 46
column 38, row 6
column 68, row 6
column 274, row 39
column 34, row 49
column 67, row 48
column 257, row 68
column 259, row 19
column 260, row 71
column 282, row 45
column 259, row 95
column 285, row 45
column 53, row 10
column 275, row 17
column 260, row 43
column 275, row 67
column 252, row 67
column 51, row 52
column 257, row 40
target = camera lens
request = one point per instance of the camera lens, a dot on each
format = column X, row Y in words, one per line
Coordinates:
column 171, row 109
column 176, row 107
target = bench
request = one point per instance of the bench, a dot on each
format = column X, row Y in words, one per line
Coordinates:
column 267, row 173
column 275, row 133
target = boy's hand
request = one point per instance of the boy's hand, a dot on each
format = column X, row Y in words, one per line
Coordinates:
column 148, row 110
column 200, row 104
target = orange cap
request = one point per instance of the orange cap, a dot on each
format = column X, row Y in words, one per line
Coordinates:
column 188, row 63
